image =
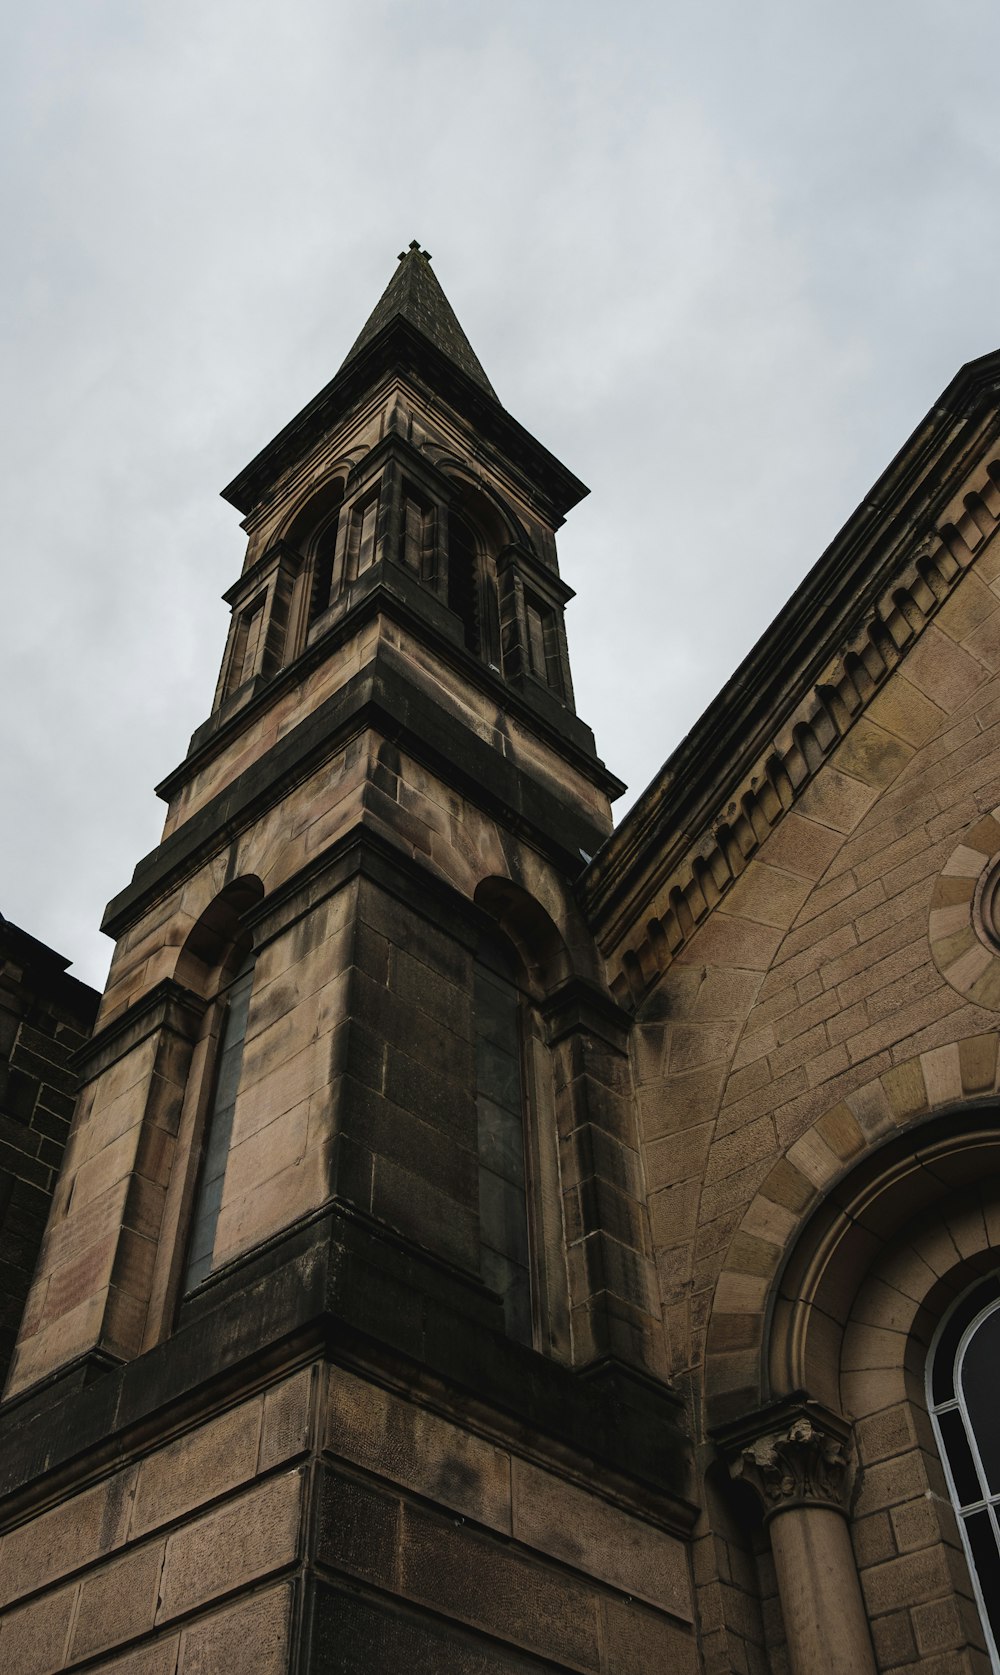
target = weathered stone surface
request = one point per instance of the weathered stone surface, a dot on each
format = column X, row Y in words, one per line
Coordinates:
column 118, row 1602
column 420, row 1450
column 247, row 1538
column 204, row 1463
column 250, row 1638
column 84, row 1528
column 566, row 1523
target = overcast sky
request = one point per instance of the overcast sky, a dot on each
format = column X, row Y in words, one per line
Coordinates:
column 719, row 258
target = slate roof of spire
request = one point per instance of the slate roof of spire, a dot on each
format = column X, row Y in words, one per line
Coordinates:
column 414, row 292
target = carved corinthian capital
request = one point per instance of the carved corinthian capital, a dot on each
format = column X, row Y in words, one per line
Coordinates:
column 802, row 1456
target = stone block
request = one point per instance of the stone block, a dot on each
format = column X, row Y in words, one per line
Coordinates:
column 871, row 754
column 743, row 1147
column 418, row 1210
column 356, row 1636
column 440, row 1148
column 246, row 1538
column 903, row 709
column 909, row 1580
column 489, row 1586
column 841, row 1131
column 256, row 1157
column 595, row 1206
column 873, row 1539
column 915, row 1524
column 156, row 1657
column 905, row 1090
column 282, row 1089
column 639, row 1642
column 285, row 1425
column 969, row 605
column 892, row 1637
column 695, row 1044
column 942, row 1074
column 594, row 1536
column 724, row 993
column 358, row 1530
column 942, row 671
column 787, row 1186
column 678, row 1156
column 75, row 1533
column 33, row 1639
column 197, row 1468
column 673, row 1213
column 726, row 940
column 410, row 1445
column 273, row 1205
column 770, row 1221
column 836, row 799
column 768, row 895
column 250, row 1638
column 680, row 1101
column 978, row 1059
column 802, row 846
column 889, row 1483
column 588, row 1152
column 118, row 1602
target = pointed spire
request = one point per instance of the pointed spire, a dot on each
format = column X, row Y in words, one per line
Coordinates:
column 414, row 293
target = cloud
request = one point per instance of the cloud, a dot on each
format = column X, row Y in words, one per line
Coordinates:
column 719, row 259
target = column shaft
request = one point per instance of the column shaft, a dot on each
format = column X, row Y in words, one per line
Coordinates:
column 824, row 1614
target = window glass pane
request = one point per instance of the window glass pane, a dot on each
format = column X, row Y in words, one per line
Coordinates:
column 498, row 1075
column 960, row 1460
column 366, row 550
column 503, row 1208
column 414, row 527
column 514, row 1285
column 981, row 1532
column 943, row 1374
column 501, row 1142
column 254, row 623
column 462, row 579
column 536, row 642
column 502, row 1217
column 218, row 1133
column 980, row 1382
column 323, row 570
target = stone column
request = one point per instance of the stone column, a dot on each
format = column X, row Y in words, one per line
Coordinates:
column 801, row 1465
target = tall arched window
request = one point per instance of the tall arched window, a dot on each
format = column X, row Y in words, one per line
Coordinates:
column 218, row 1130
column 503, row 1184
column 963, row 1384
column 324, row 552
column 463, row 579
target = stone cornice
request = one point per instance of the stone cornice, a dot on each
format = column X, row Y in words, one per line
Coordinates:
column 762, row 741
column 168, row 1005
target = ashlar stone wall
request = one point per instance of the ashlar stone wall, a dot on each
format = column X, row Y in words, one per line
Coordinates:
column 336, row 1523
column 819, row 1010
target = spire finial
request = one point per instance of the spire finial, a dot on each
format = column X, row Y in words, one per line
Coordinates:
column 414, row 245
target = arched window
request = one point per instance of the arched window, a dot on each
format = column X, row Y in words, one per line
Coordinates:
column 323, row 555
column 218, row 1129
column 463, row 579
column 963, row 1383
column 503, row 1183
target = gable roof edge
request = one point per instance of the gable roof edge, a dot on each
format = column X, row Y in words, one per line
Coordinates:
column 795, row 696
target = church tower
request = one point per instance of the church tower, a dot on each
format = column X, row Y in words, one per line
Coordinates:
column 345, row 1350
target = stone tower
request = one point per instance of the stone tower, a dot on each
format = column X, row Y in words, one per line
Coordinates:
column 345, row 1351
